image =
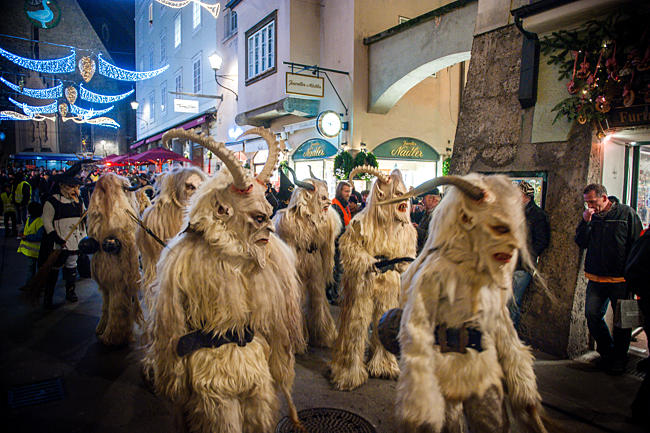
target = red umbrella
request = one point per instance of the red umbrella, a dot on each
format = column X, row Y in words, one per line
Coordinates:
column 108, row 158
column 123, row 159
column 159, row 154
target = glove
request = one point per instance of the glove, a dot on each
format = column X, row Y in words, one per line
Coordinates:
column 57, row 239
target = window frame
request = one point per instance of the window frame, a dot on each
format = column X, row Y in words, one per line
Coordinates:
column 228, row 30
column 152, row 106
column 163, row 98
column 178, row 19
column 270, row 18
column 178, row 74
column 196, row 7
column 197, row 59
column 163, row 47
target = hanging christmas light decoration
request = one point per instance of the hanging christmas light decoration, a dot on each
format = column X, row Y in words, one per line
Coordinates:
column 103, row 121
column 86, row 68
column 88, row 114
column 34, row 109
column 14, row 115
column 89, row 96
column 71, row 94
column 213, row 9
column 53, row 66
column 63, row 109
column 49, row 93
column 108, row 70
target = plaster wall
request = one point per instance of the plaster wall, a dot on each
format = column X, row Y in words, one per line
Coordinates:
column 370, row 20
column 494, row 135
column 271, row 88
column 550, row 91
column 305, row 32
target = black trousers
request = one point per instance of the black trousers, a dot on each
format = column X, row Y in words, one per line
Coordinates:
column 10, row 216
column 69, row 276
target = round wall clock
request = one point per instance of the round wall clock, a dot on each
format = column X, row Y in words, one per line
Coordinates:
column 329, row 124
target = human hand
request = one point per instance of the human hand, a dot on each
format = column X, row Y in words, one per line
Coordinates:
column 587, row 214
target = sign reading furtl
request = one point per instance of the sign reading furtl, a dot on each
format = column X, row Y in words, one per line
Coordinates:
column 305, row 85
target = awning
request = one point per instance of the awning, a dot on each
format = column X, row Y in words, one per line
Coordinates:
column 315, row 148
column 406, row 148
column 187, row 125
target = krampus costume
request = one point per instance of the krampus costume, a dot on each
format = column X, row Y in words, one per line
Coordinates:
column 227, row 319
column 459, row 350
column 115, row 261
column 375, row 248
column 310, row 226
column 165, row 218
column 61, row 213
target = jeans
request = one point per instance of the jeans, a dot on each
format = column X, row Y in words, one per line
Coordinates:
column 599, row 296
column 520, row 282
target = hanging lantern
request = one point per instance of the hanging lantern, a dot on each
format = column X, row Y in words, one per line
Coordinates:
column 71, row 94
column 582, row 119
column 86, row 68
column 63, row 109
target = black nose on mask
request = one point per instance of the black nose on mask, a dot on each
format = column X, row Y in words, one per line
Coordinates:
column 111, row 245
column 88, row 245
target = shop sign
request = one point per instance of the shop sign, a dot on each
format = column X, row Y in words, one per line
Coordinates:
column 315, row 148
column 406, row 148
column 629, row 116
column 44, row 14
column 305, row 85
column 186, row 106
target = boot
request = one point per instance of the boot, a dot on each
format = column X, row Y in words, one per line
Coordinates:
column 69, row 277
column 70, row 294
column 49, row 289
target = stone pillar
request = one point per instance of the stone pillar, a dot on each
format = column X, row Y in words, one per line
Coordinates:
column 494, row 135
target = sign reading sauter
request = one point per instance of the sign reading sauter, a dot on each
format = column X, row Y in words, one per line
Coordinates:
column 328, row 124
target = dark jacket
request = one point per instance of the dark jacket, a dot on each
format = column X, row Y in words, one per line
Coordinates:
column 608, row 238
column 423, row 229
column 637, row 268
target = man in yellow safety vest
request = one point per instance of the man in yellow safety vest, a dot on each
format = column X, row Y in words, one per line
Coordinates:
column 32, row 235
column 8, row 210
column 22, row 196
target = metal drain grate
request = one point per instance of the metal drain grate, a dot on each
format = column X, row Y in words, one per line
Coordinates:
column 327, row 420
column 35, row 393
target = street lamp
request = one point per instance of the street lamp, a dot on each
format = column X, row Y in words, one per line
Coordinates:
column 215, row 63
column 135, row 105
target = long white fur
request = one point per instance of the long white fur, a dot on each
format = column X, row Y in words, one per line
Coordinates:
column 211, row 278
column 116, row 275
column 310, row 222
column 366, row 293
column 457, row 281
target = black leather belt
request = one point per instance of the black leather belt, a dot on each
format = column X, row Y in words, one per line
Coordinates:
column 196, row 340
column 385, row 264
column 458, row 339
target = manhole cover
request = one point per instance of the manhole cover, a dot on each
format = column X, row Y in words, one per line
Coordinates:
column 327, row 420
column 35, row 393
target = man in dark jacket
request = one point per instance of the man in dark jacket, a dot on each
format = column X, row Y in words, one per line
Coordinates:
column 607, row 231
column 539, row 236
column 430, row 202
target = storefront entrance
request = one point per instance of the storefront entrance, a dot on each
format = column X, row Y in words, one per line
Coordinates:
column 319, row 155
column 417, row 160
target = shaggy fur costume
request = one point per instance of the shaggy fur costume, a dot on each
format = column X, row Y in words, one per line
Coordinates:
column 463, row 277
column 367, row 293
column 310, row 226
column 164, row 218
column 228, row 271
column 117, row 275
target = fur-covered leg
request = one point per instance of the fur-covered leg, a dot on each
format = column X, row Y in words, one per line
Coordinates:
column 383, row 363
column 260, row 408
column 322, row 331
column 206, row 413
column 119, row 327
column 487, row 413
column 103, row 320
column 348, row 369
column 454, row 418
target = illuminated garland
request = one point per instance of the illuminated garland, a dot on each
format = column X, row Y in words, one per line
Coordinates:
column 104, row 121
column 87, row 95
column 34, row 109
column 53, row 66
column 14, row 115
column 88, row 114
column 51, row 93
column 108, row 70
column 213, row 9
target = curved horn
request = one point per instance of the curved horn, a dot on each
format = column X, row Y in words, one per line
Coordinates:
column 138, row 188
column 274, row 150
column 311, row 173
column 300, row 183
column 239, row 178
column 370, row 170
column 472, row 191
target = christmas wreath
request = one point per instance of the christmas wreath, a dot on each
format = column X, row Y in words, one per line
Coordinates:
column 606, row 63
column 344, row 163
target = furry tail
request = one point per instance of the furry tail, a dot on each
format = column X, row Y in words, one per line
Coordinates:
column 293, row 413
